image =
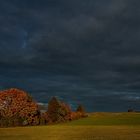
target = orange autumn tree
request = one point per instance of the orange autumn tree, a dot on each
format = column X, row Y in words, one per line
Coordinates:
column 17, row 108
column 58, row 111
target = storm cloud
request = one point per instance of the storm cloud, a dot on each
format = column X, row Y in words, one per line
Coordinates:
column 81, row 51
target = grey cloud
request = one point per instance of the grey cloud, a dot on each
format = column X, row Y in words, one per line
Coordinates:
column 77, row 48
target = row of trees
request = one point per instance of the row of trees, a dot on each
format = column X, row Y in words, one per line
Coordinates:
column 17, row 108
column 61, row 112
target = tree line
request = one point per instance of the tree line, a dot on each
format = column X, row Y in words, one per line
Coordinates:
column 17, row 108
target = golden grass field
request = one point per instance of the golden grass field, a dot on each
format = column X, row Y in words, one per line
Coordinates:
column 98, row 126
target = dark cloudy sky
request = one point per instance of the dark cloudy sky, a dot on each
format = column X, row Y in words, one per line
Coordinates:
column 83, row 51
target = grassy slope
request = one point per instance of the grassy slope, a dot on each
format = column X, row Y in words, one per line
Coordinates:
column 98, row 126
column 109, row 119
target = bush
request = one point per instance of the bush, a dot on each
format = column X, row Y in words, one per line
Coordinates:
column 44, row 119
column 80, row 108
column 58, row 111
column 16, row 106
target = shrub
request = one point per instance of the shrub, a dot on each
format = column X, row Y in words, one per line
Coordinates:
column 44, row 119
column 17, row 104
column 80, row 108
column 58, row 111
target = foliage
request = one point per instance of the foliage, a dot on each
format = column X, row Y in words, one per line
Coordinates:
column 17, row 108
column 81, row 112
column 58, row 111
column 80, row 109
column 17, row 105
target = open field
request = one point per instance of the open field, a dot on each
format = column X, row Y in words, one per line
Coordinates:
column 109, row 119
column 98, row 126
